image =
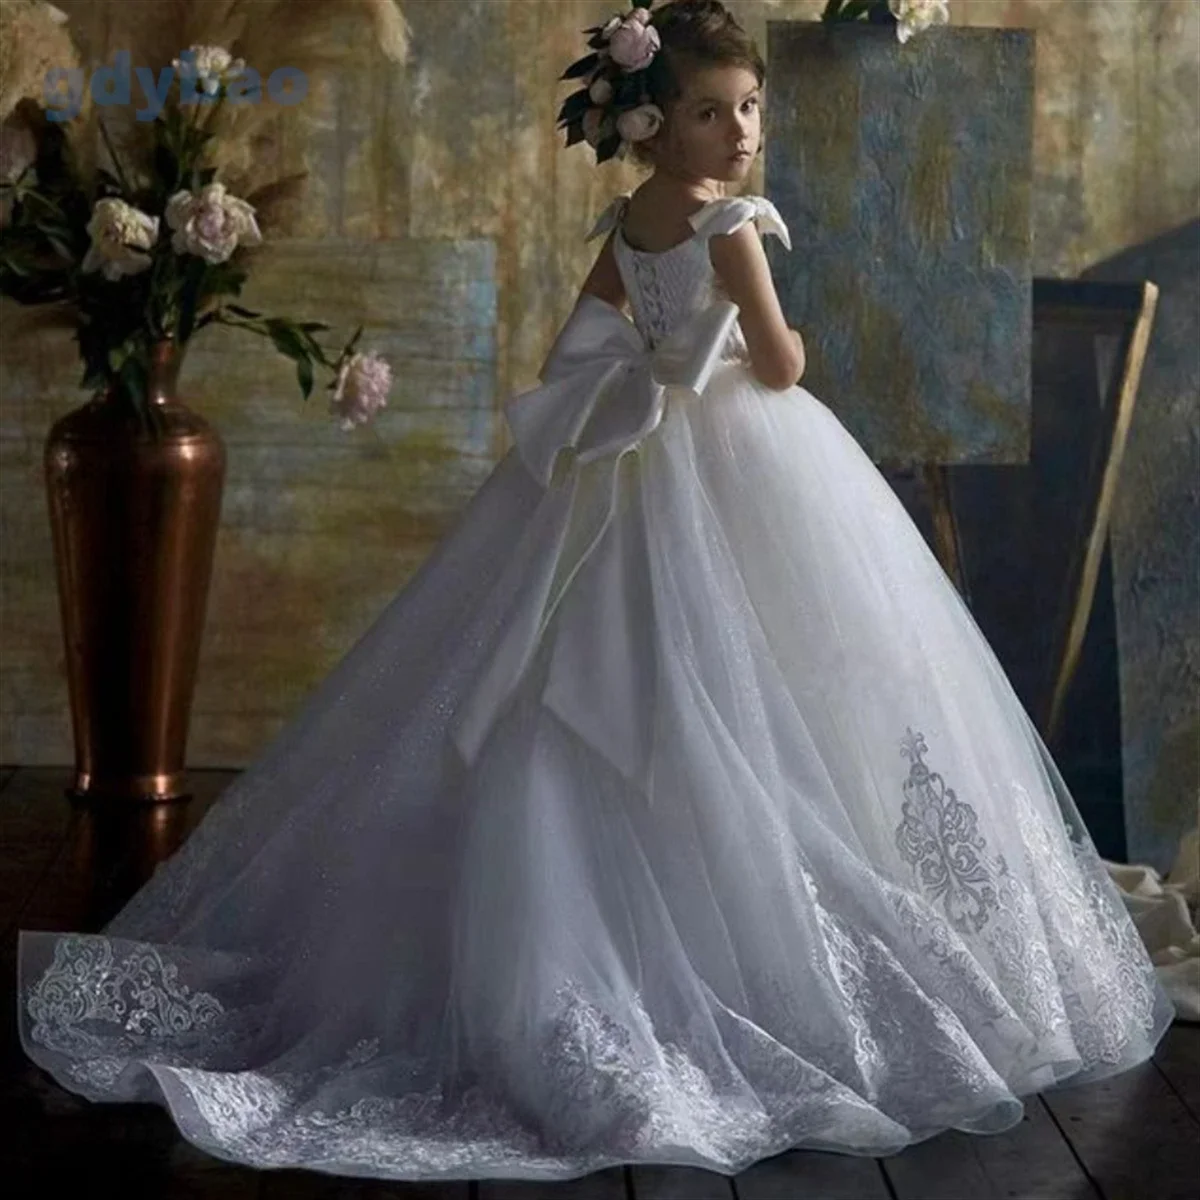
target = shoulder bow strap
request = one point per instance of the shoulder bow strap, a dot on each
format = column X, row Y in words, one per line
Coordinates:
column 728, row 213
column 611, row 216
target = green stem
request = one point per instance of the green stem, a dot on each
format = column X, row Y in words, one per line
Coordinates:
column 115, row 160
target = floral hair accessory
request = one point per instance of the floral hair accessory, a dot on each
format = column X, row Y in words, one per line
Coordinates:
column 613, row 106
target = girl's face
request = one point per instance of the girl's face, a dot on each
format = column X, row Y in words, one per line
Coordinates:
column 714, row 129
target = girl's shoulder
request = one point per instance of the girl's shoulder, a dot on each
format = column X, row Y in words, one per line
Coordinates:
column 729, row 213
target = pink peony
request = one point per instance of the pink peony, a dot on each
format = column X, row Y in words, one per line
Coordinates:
column 211, row 223
column 633, row 45
column 361, row 389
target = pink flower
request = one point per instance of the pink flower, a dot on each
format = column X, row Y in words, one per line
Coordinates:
column 634, row 45
column 361, row 389
column 211, row 224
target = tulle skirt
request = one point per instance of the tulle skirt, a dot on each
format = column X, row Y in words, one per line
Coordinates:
column 744, row 844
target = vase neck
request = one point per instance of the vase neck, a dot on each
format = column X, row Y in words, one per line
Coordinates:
column 165, row 359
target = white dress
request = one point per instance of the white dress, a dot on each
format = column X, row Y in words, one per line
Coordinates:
column 675, row 811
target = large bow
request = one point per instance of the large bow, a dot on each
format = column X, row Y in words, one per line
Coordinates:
column 604, row 391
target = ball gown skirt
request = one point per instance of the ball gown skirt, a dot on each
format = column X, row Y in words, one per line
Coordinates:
column 676, row 811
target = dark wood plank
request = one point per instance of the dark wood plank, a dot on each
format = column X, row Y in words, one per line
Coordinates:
column 1178, row 1060
column 608, row 1184
column 34, row 819
column 6, row 773
column 1030, row 1161
column 807, row 1173
column 102, row 857
column 1132, row 1133
column 110, row 851
column 653, row 1182
column 312, row 1185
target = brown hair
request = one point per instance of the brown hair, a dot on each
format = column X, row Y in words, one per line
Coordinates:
column 694, row 33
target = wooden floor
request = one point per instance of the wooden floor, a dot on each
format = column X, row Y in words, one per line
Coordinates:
column 1132, row 1138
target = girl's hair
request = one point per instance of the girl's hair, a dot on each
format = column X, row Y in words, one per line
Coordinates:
column 694, row 33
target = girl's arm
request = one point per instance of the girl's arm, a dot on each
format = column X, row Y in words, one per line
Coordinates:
column 604, row 280
column 740, row 262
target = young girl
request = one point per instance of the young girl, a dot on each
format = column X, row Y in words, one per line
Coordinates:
column 676, row 811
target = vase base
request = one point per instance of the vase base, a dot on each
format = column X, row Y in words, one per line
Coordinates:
column 134, row 789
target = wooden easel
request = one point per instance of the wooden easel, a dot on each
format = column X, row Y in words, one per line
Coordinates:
column 1125, row 309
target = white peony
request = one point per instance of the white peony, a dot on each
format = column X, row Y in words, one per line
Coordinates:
column 210, row 66
column 121, row 235
column 638, row 124
column 211, row 223
column 600, row 91
column 913, row 16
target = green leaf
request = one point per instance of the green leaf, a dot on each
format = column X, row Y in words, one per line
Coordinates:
column 304, row 373
column 286, row 339
column 239, row 311
column 581, row 67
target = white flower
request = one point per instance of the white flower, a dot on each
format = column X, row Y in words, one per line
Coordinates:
column 211, row 223
column 600, row 91
column 210, row 66
column 120, row 236
column 610, row 25
column 640, row 14
column 638, row 124
column 913, row 16
column 361, row 389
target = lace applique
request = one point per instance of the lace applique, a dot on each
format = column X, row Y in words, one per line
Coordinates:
column 652, row 307
column 939, row 838
column 141, row 994
column 1096, row 977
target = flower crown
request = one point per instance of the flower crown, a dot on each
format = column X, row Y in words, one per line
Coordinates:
column 613, row 107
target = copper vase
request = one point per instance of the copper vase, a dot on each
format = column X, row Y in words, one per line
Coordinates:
column 135, row 501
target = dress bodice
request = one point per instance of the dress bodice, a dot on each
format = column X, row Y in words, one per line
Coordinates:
column 666, row 287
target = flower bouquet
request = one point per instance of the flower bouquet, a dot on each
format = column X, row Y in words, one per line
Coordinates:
column 909, row 16
column 125, row 222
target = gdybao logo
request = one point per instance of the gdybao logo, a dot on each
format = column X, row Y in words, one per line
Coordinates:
column 62, row 88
